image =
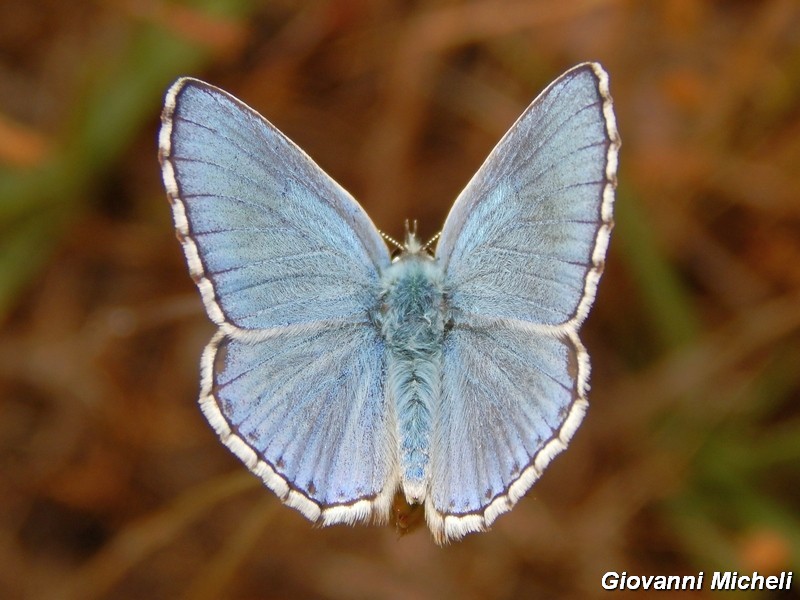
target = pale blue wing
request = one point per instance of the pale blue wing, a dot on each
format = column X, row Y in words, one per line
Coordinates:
column 287, row 264
column 522, row 251
column 511, row 400
column 306, row 411
column 271, row 240
column 526, row 239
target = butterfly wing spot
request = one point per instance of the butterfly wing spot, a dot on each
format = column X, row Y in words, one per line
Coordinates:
column 599, row 267
column 573, row 366
column 220, row 358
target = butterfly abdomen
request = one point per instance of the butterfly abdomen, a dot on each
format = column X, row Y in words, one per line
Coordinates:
column 411, row 319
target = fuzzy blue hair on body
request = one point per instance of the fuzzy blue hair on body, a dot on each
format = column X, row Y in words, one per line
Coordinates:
column 412, row 318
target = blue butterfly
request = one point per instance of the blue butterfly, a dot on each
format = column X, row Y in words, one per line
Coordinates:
column 340, row 376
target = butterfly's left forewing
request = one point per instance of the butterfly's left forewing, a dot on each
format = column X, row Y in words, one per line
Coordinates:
column 527, row 237
column 522, row 251
column 287, row 264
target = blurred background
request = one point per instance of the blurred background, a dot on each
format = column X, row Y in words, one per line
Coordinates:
column 112, row 485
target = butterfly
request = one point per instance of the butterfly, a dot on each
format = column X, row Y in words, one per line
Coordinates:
column 341, row 376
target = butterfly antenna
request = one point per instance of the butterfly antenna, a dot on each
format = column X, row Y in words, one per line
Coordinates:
column 430, row 241
column 392, row 241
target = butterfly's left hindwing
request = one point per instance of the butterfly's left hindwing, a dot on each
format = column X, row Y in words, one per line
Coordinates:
column 517, row 396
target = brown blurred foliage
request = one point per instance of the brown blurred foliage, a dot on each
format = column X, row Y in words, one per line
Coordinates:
column 111, row 482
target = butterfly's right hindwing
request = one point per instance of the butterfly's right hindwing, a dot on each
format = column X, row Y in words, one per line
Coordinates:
column 306, row 411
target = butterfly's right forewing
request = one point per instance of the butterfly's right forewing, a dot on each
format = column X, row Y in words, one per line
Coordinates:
column 270, row 238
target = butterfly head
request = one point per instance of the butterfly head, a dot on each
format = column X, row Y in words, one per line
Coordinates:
column 412, row 245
